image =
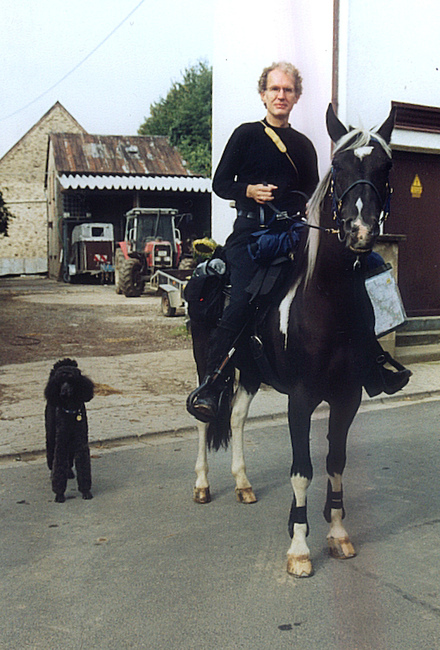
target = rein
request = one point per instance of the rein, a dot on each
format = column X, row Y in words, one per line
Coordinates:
column 280, row 216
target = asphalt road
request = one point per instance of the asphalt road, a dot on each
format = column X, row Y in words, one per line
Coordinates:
column 142, row 566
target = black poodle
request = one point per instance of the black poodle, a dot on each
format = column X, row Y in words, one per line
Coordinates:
column 66, row 427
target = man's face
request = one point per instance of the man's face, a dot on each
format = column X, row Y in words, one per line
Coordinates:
column 279, row 96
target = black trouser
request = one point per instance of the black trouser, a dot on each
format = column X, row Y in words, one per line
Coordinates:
column 242, row 270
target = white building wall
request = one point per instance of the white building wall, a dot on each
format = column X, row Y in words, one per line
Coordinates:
column 389, row 51
column 248, row 36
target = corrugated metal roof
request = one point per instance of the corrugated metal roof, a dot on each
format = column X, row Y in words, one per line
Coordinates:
column 117, row 182
column 83, row 153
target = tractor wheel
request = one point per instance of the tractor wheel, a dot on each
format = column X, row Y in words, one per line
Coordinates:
column 119, row 261
column 130, row 278
column 167, row 310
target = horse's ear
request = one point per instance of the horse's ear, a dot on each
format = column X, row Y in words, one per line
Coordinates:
column 387, row 127
column 335, row 127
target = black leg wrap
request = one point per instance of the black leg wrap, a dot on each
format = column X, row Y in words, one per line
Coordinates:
column 334, row 500
column 297, row 516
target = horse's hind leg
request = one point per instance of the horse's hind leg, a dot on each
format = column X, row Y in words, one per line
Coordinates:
column 240, row 410
column 201, row 490
column 341, row 417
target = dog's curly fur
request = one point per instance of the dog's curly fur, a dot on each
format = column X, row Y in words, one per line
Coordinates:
column 66, row 427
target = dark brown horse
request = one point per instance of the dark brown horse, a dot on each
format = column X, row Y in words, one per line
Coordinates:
column 317, row 334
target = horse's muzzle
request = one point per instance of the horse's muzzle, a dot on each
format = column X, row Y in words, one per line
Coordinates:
column 361, row 237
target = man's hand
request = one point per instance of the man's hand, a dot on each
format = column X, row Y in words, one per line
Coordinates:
column 260, row 193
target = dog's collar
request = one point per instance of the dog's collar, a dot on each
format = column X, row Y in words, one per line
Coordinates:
column 76, row 412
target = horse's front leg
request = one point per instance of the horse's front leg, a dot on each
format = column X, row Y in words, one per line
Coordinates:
column 298, row 556
column 341, row 417
column 240, row 410
column 201, row 490
column 338, row 541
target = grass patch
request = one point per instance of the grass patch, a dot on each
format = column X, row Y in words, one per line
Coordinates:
column 180, row 332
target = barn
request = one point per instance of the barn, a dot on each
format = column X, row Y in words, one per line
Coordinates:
column 99, row 178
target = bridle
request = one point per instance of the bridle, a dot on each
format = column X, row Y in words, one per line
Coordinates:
column 337, row 205
column 337, row 200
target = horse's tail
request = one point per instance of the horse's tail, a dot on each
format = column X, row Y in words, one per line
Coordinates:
column 219, row 431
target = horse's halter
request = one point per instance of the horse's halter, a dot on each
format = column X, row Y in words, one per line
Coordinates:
column 337, row 200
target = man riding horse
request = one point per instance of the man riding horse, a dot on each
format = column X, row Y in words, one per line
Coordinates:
column 267, row 167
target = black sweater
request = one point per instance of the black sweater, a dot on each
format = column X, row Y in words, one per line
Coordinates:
column 251, row 157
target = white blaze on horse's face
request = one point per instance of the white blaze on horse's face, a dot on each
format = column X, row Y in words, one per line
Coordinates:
column 363, row 231
column 359, row 204
column 361, row 152
column 360, row 229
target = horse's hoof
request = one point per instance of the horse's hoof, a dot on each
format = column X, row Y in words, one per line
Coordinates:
column 299, row 566
column 202, row 495
column 341, row 549
column 60, row 498
column 87, row 495
column 245, row 495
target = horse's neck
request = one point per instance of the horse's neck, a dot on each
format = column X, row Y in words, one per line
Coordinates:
column 337, row 275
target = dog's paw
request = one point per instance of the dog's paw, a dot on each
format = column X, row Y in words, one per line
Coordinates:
column 87, row 495
column 60, row 498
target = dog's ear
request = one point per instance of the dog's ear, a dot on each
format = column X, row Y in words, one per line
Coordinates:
column 51, row 390
column 87, row 389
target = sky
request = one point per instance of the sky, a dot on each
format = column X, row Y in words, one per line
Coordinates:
column 106, row 74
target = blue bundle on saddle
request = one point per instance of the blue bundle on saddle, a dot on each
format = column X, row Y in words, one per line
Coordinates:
column 268, row 245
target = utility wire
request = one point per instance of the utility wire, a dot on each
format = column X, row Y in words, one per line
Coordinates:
column 6, row 117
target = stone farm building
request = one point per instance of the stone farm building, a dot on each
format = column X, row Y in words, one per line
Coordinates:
column 57, row 175
column 98, row 178
column 22, row 175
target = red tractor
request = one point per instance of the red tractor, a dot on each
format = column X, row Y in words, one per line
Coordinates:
column 151, row 242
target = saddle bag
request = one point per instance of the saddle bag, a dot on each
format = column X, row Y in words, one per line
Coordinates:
column 205, row 292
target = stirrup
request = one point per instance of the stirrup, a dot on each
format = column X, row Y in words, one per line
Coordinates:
column 381, row 379
column 216, row 393
column 386, row 357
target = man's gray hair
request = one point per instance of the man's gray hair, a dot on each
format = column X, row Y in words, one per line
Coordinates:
column 288, row 69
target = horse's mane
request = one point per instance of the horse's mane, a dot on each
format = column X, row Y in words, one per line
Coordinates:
column 352, row 140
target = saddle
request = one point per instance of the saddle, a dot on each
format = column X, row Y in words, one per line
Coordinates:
column 207, row 295
column 267, row 279
column 262, row 288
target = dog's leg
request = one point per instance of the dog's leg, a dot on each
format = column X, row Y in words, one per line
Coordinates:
column 71, row 461
column 84, row 472
column 49, row 420
column 60, row 464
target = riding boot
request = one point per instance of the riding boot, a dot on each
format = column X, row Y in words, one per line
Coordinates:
column 381, row 379
column 204, row 402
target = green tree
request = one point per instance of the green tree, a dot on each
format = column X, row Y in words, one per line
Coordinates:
column 185, row 116
column 5, row 216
